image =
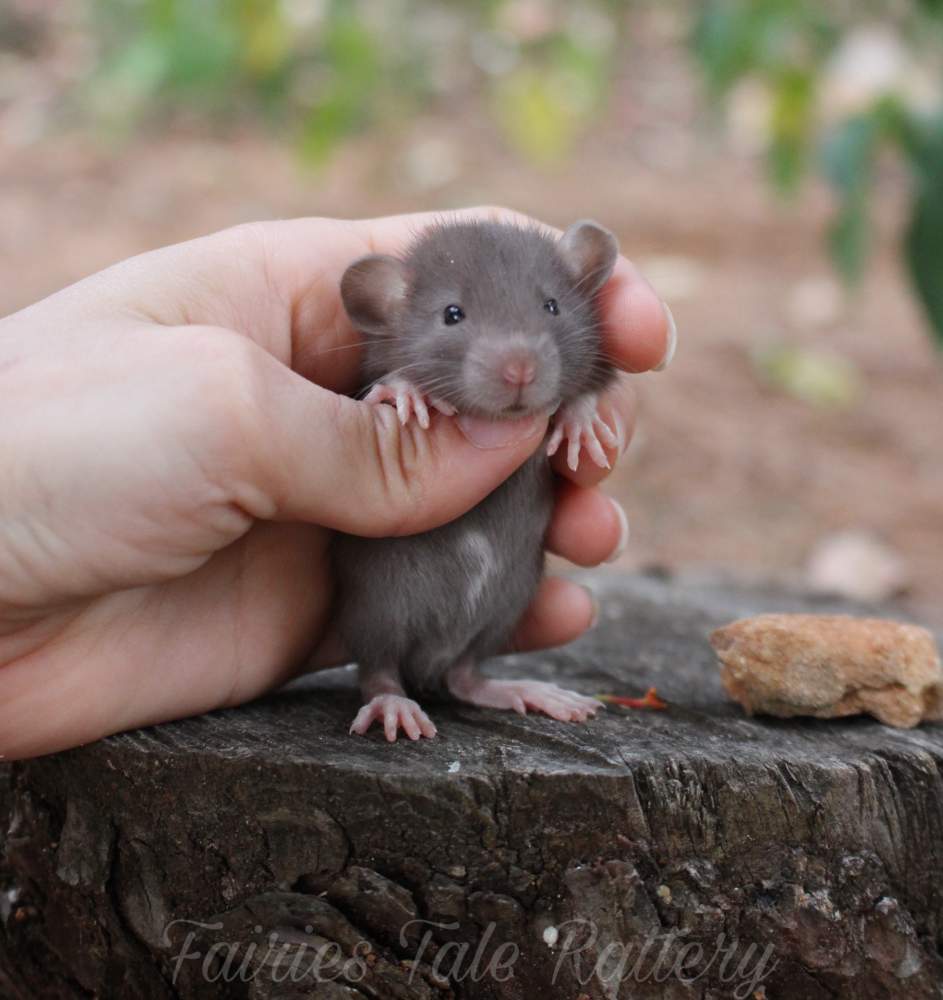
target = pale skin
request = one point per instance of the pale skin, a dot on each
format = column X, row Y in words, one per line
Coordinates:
column 178, row 449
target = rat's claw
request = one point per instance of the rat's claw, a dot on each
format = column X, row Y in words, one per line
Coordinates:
column 396, row 712
column 407, row 399
column 578, row 422
column 573, row 449
column 447, row 409
column 595, row 449
column 380, row 393
column 608, row 435
column 556, row 436
column 422, row 413
column 402, row 408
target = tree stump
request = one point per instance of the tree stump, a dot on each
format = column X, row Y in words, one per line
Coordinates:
column 688, row 853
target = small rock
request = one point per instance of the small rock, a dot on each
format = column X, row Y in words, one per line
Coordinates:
column 828, row 666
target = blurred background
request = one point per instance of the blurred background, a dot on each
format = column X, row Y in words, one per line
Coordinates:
column 775, row 167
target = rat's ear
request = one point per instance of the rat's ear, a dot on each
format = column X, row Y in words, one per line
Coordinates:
column 589, row 252
column 373, row 289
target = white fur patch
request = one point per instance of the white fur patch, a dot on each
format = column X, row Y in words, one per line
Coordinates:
column 479, row 561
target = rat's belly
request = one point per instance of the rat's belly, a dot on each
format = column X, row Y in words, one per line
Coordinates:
column 426, row 601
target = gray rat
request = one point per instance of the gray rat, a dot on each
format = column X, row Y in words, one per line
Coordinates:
column 496, row 320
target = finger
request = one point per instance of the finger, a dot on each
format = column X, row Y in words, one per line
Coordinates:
column 105, row 672
column 618, row 407
column 299, row 452
column 275, row 283
column 588, row 527
column 636, row 324
column 561, row 612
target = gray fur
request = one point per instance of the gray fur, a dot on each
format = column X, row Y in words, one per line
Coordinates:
column 406, row 600
column 412, row 607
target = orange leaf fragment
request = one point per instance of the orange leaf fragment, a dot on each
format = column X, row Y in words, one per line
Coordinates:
column 651, row 700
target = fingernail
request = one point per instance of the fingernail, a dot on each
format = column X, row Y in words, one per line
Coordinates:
column 623, row 532
column 672, row 340
column 489, row 434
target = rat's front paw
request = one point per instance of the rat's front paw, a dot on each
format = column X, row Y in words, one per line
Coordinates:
column 521, row 696
column 408, row 400
column 396, row 712
column 582, row 426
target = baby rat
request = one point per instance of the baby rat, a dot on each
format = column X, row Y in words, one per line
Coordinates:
column 499, row 321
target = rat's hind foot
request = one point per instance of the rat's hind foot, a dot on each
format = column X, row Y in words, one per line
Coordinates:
column 538, row 696
column 408, row 400
column 396, row 712
column 582, row 426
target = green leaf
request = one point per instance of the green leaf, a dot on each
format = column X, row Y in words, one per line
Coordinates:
column 848, row 153
column 849, row 239
column 265, row 40
column 791, row 126
column 348, row 99
column 848, row 161
column 735, row 38
column 924, row 250
column 923, row 244
column 725, row 39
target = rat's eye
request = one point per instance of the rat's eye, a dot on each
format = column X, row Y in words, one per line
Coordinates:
column 453, row 314
column 551, row 306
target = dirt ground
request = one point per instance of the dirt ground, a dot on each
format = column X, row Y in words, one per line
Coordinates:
column 728, row 471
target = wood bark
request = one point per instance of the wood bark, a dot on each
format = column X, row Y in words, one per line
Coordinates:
column 225, row 855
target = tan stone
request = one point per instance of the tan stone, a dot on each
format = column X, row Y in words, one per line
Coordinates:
column 831, row 665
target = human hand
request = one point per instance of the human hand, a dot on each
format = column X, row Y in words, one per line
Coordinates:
column 178, row 450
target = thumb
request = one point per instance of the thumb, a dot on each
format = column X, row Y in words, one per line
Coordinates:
column 351, row 466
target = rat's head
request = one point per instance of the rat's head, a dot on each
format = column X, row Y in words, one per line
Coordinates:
column 496, row 319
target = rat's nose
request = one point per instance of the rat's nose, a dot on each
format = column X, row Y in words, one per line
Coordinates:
column 519, row 371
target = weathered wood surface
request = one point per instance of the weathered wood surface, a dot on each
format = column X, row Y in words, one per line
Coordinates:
column 818, row 843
